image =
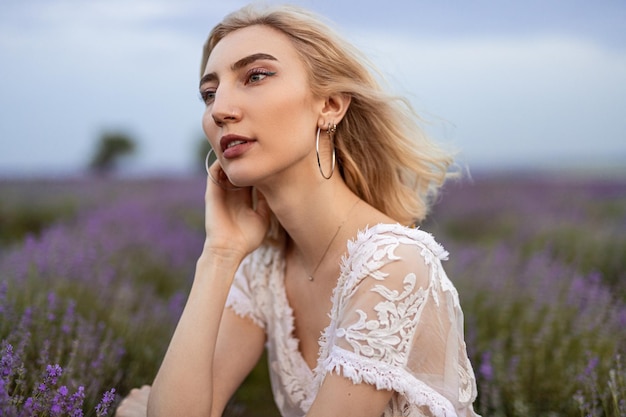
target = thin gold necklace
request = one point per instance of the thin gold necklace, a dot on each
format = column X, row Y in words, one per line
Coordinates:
column 311, row 275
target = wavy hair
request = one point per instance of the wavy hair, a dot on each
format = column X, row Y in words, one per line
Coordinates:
column 383, row 154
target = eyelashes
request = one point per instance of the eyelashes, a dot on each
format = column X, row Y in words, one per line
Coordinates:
column 207, row 96
column 258, row 74
column 252, row 77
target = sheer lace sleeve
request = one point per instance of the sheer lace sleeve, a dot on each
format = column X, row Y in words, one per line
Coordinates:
column 246, row 293
column 398, row 324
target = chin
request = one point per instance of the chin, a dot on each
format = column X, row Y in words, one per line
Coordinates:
column 247, row 176
column 241, row 180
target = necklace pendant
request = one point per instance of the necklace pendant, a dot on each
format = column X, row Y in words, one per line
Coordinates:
column 310, row 277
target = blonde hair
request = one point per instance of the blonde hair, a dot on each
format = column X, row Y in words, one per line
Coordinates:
column 383, row 154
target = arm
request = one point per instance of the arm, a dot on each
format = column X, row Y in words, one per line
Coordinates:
column 184, row 384
column 239, row 346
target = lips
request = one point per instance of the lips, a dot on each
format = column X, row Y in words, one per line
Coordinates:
column 229, row 141
column 234, row 145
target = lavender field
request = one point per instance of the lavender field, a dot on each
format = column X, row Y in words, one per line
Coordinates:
column 94, row 274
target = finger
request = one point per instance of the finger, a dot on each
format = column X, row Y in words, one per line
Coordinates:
column 135, row 404
column 132, row 409
column 262, row 208
column 218, row 176
column 214, row 175
column 144, row 391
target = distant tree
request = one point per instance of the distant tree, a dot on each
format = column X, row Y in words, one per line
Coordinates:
column 111, row 147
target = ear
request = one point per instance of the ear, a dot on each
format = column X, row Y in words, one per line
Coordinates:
column 335, row 107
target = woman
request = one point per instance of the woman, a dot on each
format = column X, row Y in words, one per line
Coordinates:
column 309, row 249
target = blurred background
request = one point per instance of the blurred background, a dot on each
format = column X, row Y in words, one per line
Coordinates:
column 95, row 269
column 533, row 85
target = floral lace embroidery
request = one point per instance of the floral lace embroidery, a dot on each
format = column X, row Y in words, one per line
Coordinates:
column 466, row 378
column 380, row 342
column 287, row 363
column 387, row 337
column 241, row 295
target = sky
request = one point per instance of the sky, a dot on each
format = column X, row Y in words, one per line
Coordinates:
column 529, row 84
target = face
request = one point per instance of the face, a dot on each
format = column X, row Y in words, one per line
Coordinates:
column 260, row 116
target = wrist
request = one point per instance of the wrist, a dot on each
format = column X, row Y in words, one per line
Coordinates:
column 222, row 254
column 219, row 263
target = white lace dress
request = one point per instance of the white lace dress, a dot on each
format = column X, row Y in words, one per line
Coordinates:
column 395, row 323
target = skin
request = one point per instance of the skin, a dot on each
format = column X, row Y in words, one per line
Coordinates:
column 267, row 99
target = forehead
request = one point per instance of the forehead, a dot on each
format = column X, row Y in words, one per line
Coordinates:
column 251, row 40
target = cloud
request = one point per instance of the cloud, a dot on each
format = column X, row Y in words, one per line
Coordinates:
column 70, row 68
column 73, row 68
column 513, row 98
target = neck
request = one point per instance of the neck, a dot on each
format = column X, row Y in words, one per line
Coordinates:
column 311, row 215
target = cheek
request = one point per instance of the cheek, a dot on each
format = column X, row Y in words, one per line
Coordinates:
column 294, row 112
column 209, row 127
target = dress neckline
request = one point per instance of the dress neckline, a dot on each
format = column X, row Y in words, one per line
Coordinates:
column 292, row 342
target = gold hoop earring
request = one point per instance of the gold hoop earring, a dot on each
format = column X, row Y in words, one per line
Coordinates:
column 330, row 131
column 213, row 180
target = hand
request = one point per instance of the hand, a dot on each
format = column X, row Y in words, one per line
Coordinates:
column 135, row 404
column 236, row 221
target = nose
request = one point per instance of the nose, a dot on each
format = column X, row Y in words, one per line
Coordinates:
column 223, row 110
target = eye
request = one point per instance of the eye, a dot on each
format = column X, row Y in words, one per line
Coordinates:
column 258, row 74
column 207, row 96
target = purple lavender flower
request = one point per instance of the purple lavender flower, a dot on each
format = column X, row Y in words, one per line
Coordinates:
column 29, row 407
column 69, row 317
column 102, row 409
column 6, row 407
column 6, row 361
column 52, row 299
column 522, row 256
column 3, row 295
column 53, row 372
column 592, row 365
column 486, row 369
column 75, row 403
column 59, row 402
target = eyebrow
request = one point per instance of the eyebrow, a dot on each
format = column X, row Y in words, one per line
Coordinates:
column 239, row 64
